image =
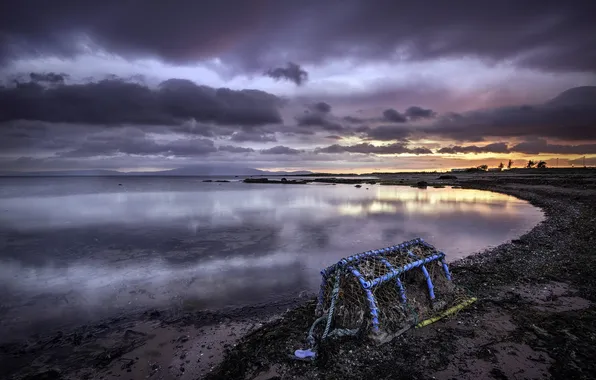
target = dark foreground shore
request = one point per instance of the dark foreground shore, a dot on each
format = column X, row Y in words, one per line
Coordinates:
column 535, row 317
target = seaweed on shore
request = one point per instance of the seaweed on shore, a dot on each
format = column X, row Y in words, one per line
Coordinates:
column 559, row 250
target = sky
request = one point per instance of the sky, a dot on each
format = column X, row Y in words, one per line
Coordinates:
column 334, row 86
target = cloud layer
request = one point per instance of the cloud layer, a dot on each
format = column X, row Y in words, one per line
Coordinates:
column 268, row 83
column 115, row 119
column 116, row 101
column 292, row 72
column 551, row 35
column 569, row 116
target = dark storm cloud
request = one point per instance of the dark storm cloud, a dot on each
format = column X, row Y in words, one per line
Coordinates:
column 372, row 149
column 116, row 101
column 551, row 34
column 535, row 146
column 569, row 116
column 415, row 113
column 322, row 107
column 499, row 147
column 292, row 72
column 542, row 146
column 188, row 30
column 52, row 78
column 387, row 132
column 319, row 115
column 420, row 150
column 334, row 137
column 319, row 120
column 280, row 149
column 311, row 119
column 394, row 116
column 391, row 115
column 235, row 149
column 183, row 99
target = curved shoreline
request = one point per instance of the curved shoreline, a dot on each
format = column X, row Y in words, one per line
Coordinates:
column 535, row 316
column 514, row 326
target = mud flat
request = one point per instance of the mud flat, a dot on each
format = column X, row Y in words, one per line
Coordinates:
column 535, row 317
column 156, row 344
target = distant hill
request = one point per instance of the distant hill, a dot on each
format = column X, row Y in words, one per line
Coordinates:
column 217, row 170
column 298, row 172
column 58, row 173
column 201, row 171
column 190, row 171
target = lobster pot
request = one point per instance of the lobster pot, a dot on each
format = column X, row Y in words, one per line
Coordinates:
column 386, row 290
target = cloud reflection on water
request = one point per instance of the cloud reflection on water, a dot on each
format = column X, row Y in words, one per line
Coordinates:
column 218, row 245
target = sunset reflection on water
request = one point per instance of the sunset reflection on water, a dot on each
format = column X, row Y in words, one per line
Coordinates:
column 106, row 248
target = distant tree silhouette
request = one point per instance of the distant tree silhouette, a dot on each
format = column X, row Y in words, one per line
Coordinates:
column 509, row 164
column 483, row 167
column 531, row 164
column 501, row 166
column 541, row 165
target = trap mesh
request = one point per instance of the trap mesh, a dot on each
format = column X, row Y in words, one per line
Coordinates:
column 388, row 289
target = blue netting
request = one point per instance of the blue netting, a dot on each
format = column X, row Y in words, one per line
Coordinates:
column 386, row 289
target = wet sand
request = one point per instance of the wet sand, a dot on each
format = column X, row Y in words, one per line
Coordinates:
column 535, row 317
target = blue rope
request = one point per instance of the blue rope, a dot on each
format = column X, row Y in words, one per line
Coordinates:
column 402, row 291
column 400, row 286
column 372, row 303
column 446, row 269
column 429, row 282
column 374, row 311
column 405, row 268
